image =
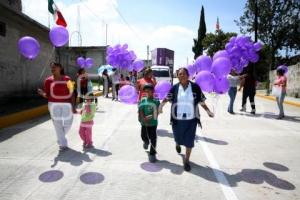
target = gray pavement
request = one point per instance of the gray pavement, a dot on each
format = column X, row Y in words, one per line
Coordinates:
column 238, row 156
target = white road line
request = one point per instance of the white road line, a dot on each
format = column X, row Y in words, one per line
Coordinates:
column 223, row 182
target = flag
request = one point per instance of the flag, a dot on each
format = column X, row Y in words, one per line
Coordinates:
column 58, row 17
column 217, row 25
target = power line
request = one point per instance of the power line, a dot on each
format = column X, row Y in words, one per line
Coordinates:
column 128, row 25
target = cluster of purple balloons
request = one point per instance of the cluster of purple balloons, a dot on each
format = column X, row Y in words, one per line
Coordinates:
column 211, row 73
column 129, row 95
column 85, row 63
column 242, row 50
column 29, row 47
column 120, row 57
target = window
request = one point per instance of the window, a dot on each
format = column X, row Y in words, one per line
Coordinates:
column 2, row 29
column 161, row 73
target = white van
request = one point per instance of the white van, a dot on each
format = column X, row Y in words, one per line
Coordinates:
column 162, row 73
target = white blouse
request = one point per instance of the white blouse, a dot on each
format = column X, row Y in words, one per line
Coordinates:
column 185, row 103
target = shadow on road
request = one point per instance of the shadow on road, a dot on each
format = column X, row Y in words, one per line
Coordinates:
column 9, row 132
column 71, row 156
column 252, row 176
column 98, row 152
column 165, row 133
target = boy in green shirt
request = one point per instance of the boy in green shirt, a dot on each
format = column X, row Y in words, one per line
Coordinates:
column 148, row 112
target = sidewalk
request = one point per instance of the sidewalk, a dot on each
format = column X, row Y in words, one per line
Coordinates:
column 288, row 100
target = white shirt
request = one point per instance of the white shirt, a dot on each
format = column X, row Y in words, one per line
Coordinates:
column 233, row 80
column 185, row 102
column 115, row 78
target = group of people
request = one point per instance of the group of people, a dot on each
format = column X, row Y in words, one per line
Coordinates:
column 248, row 82
column 116, row 81
column 185, row 96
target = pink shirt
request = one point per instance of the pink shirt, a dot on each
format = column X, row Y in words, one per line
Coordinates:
column 281, row 81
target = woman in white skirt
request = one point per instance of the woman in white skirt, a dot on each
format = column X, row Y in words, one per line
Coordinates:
column 58, row 89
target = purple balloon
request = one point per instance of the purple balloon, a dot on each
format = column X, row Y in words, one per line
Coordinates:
column 128, row 94
column 162, row 89
column 80, row 61
column 283, row 67
column 89, row 62
column 221, row 67
column 59, row 36
column 221, row 85
column 221, row 53
column 125, row 46
column 192, row 70
column 203, row 63
column 254, row 58
column 205, row 80
column 109, row 50
column 29, row 47
column 257, row 46
column 138, row 65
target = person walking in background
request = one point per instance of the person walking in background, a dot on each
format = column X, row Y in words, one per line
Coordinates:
column 248, row 84
column 185, row 97
column 234, row 81
column 86, row 125
column 58, row 89
column 105, row 83
column 148, row 113
column 281, row 82
column 115, row 78
column 147, row 79
column 81, row 85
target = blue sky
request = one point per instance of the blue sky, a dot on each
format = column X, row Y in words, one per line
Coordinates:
column 159, row 23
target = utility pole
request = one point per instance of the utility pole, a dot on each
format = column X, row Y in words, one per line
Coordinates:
column 148, row 55
column 105, row 34
column 255, row 20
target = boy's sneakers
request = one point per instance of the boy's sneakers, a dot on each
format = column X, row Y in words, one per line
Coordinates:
column 243, row 109
column 145, row 145
column 152, row 158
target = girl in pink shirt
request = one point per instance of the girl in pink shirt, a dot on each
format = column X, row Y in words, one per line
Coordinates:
column 281, row 81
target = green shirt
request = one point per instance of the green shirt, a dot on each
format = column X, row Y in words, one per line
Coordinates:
column 88, row 112
column 149, row 107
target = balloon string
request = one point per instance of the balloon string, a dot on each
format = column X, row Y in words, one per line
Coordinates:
column 49, row 58
column 215, row 98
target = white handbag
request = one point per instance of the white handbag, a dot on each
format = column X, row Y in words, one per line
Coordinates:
column 276, row 91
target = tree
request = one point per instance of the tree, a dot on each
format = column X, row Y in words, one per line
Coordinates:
column 278, row 24
column 198, row 46
column 214, row 42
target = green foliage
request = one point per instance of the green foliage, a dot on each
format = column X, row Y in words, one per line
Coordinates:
column 198, row 46
column 278, row 24
column 214, row 42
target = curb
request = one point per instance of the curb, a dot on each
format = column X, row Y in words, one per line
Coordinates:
column 23, row 116
column 29, row 114
column 292, row 103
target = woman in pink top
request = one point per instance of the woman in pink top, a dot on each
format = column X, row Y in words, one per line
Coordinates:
column 58, row 90
column 281, row 81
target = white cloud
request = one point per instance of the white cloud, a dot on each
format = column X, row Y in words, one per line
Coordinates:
column 95, row 13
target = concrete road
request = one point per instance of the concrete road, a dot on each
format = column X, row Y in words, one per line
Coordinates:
column 238, row 156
